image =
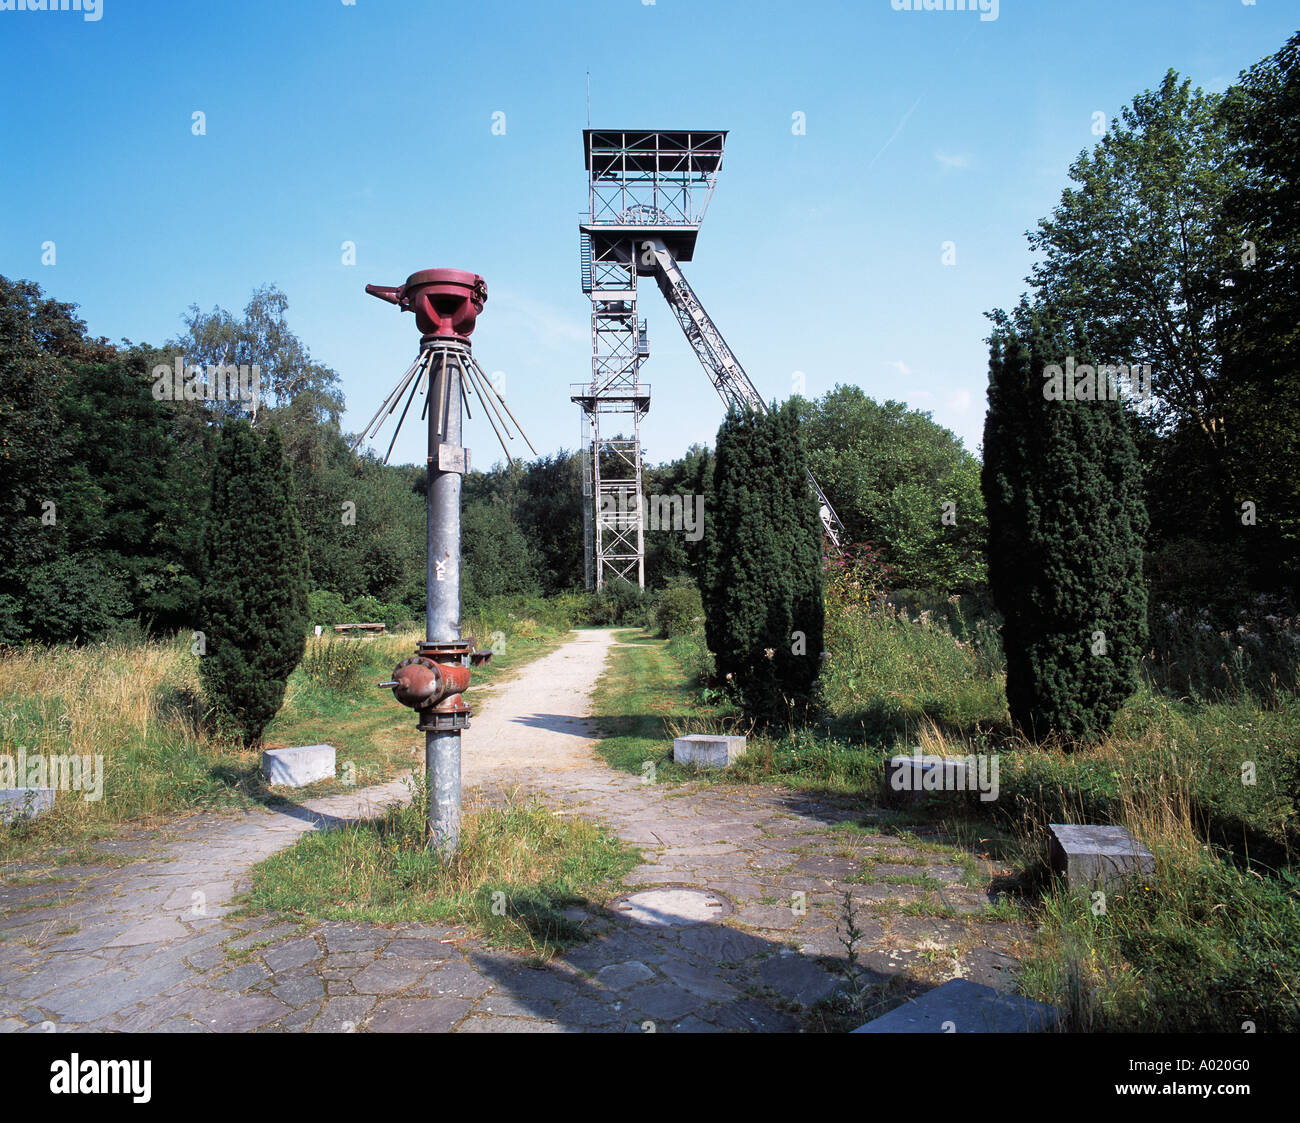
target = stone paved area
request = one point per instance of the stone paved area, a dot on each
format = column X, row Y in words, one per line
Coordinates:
column 148, row 946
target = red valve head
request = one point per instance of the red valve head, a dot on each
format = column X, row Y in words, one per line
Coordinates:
column 446, row 302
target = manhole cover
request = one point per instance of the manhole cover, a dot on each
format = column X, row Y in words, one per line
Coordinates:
column 669, row 907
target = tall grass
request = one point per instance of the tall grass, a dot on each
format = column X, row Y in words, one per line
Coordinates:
column 517, row 871
column 137, row 704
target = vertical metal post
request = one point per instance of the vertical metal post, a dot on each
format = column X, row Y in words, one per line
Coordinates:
column 442, row 585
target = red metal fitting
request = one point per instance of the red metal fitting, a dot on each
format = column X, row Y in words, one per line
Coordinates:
column 423, row 684
column 432, row 683
column 446, row 302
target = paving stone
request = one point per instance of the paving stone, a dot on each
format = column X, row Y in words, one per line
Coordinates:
column 347, row 960
column 294, row 992
column 798, row 979
column 243, row 977
column 719, row 943
column 343, row 1014
column 180, row 1025
column 388, row 976
column 241, row 1013
column 207, row 957
column 620, row 976
column 153, row 931
column 516, row 1006
column 352, row 938
column 458, row 980
column 155, row 1012
column 480, row 1024
column 262, row 936
column 966, row 1007
column 418, row 1015
column 61, row 972
column 663, row 1001
column 583, row 1013
column 703, row 981
column 291, row 953
column 407, row 948
column 539, row 983
column 750, row 1015
column 693, row 1024
column 301, row 1018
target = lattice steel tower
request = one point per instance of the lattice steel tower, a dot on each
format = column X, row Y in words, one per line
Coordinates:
column 641, row 185
column 647, row 193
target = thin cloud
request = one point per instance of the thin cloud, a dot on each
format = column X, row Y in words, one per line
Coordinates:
column 547, row 325
column 950, row 161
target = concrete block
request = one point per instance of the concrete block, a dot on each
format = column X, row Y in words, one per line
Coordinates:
column 1098, row 857
column 961, row 1006
column 911, row 779
column 24, row 803
column 294, row 768
column 710, row 750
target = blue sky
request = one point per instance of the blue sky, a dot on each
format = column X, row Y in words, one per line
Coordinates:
column 372, row 123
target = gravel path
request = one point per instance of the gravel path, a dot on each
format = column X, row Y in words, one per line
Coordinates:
column 146, row 946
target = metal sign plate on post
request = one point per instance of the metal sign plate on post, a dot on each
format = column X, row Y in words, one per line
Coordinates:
column 453, row 458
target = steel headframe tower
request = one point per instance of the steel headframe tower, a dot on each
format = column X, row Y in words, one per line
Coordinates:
column 647, row 192
column 641, row 185
column 446, row 303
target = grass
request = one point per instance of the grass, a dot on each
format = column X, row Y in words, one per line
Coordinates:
column 1207, row 782
column 516, row 877
column 642, row 694
column 139, row 704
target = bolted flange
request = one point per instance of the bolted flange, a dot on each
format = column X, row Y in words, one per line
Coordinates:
column 433, row 681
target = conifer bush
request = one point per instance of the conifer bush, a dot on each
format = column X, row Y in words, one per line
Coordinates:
column 762, row 592
column 1067, row 522
column 254, row 604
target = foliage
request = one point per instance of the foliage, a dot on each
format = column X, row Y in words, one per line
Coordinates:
column 1066, row 526
column 254, row 607
column 679, row 608
column 1262, row 333
column 762, row 591
column 325, row 608
column 889, row 471
column 495, row 556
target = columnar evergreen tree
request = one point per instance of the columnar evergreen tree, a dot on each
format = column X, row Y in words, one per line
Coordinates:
column 762, row 591
column 1062, row 485
column 254, row 604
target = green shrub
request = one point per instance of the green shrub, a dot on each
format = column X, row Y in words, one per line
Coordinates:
column 325, row 608
column 679, row 608
column 762, row 589
column 253, row 610
column 371, row 610
column 1067, row 521
column 620, row 604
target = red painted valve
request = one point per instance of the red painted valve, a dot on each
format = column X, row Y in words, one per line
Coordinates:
column 423, row 684
column 446, row 302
